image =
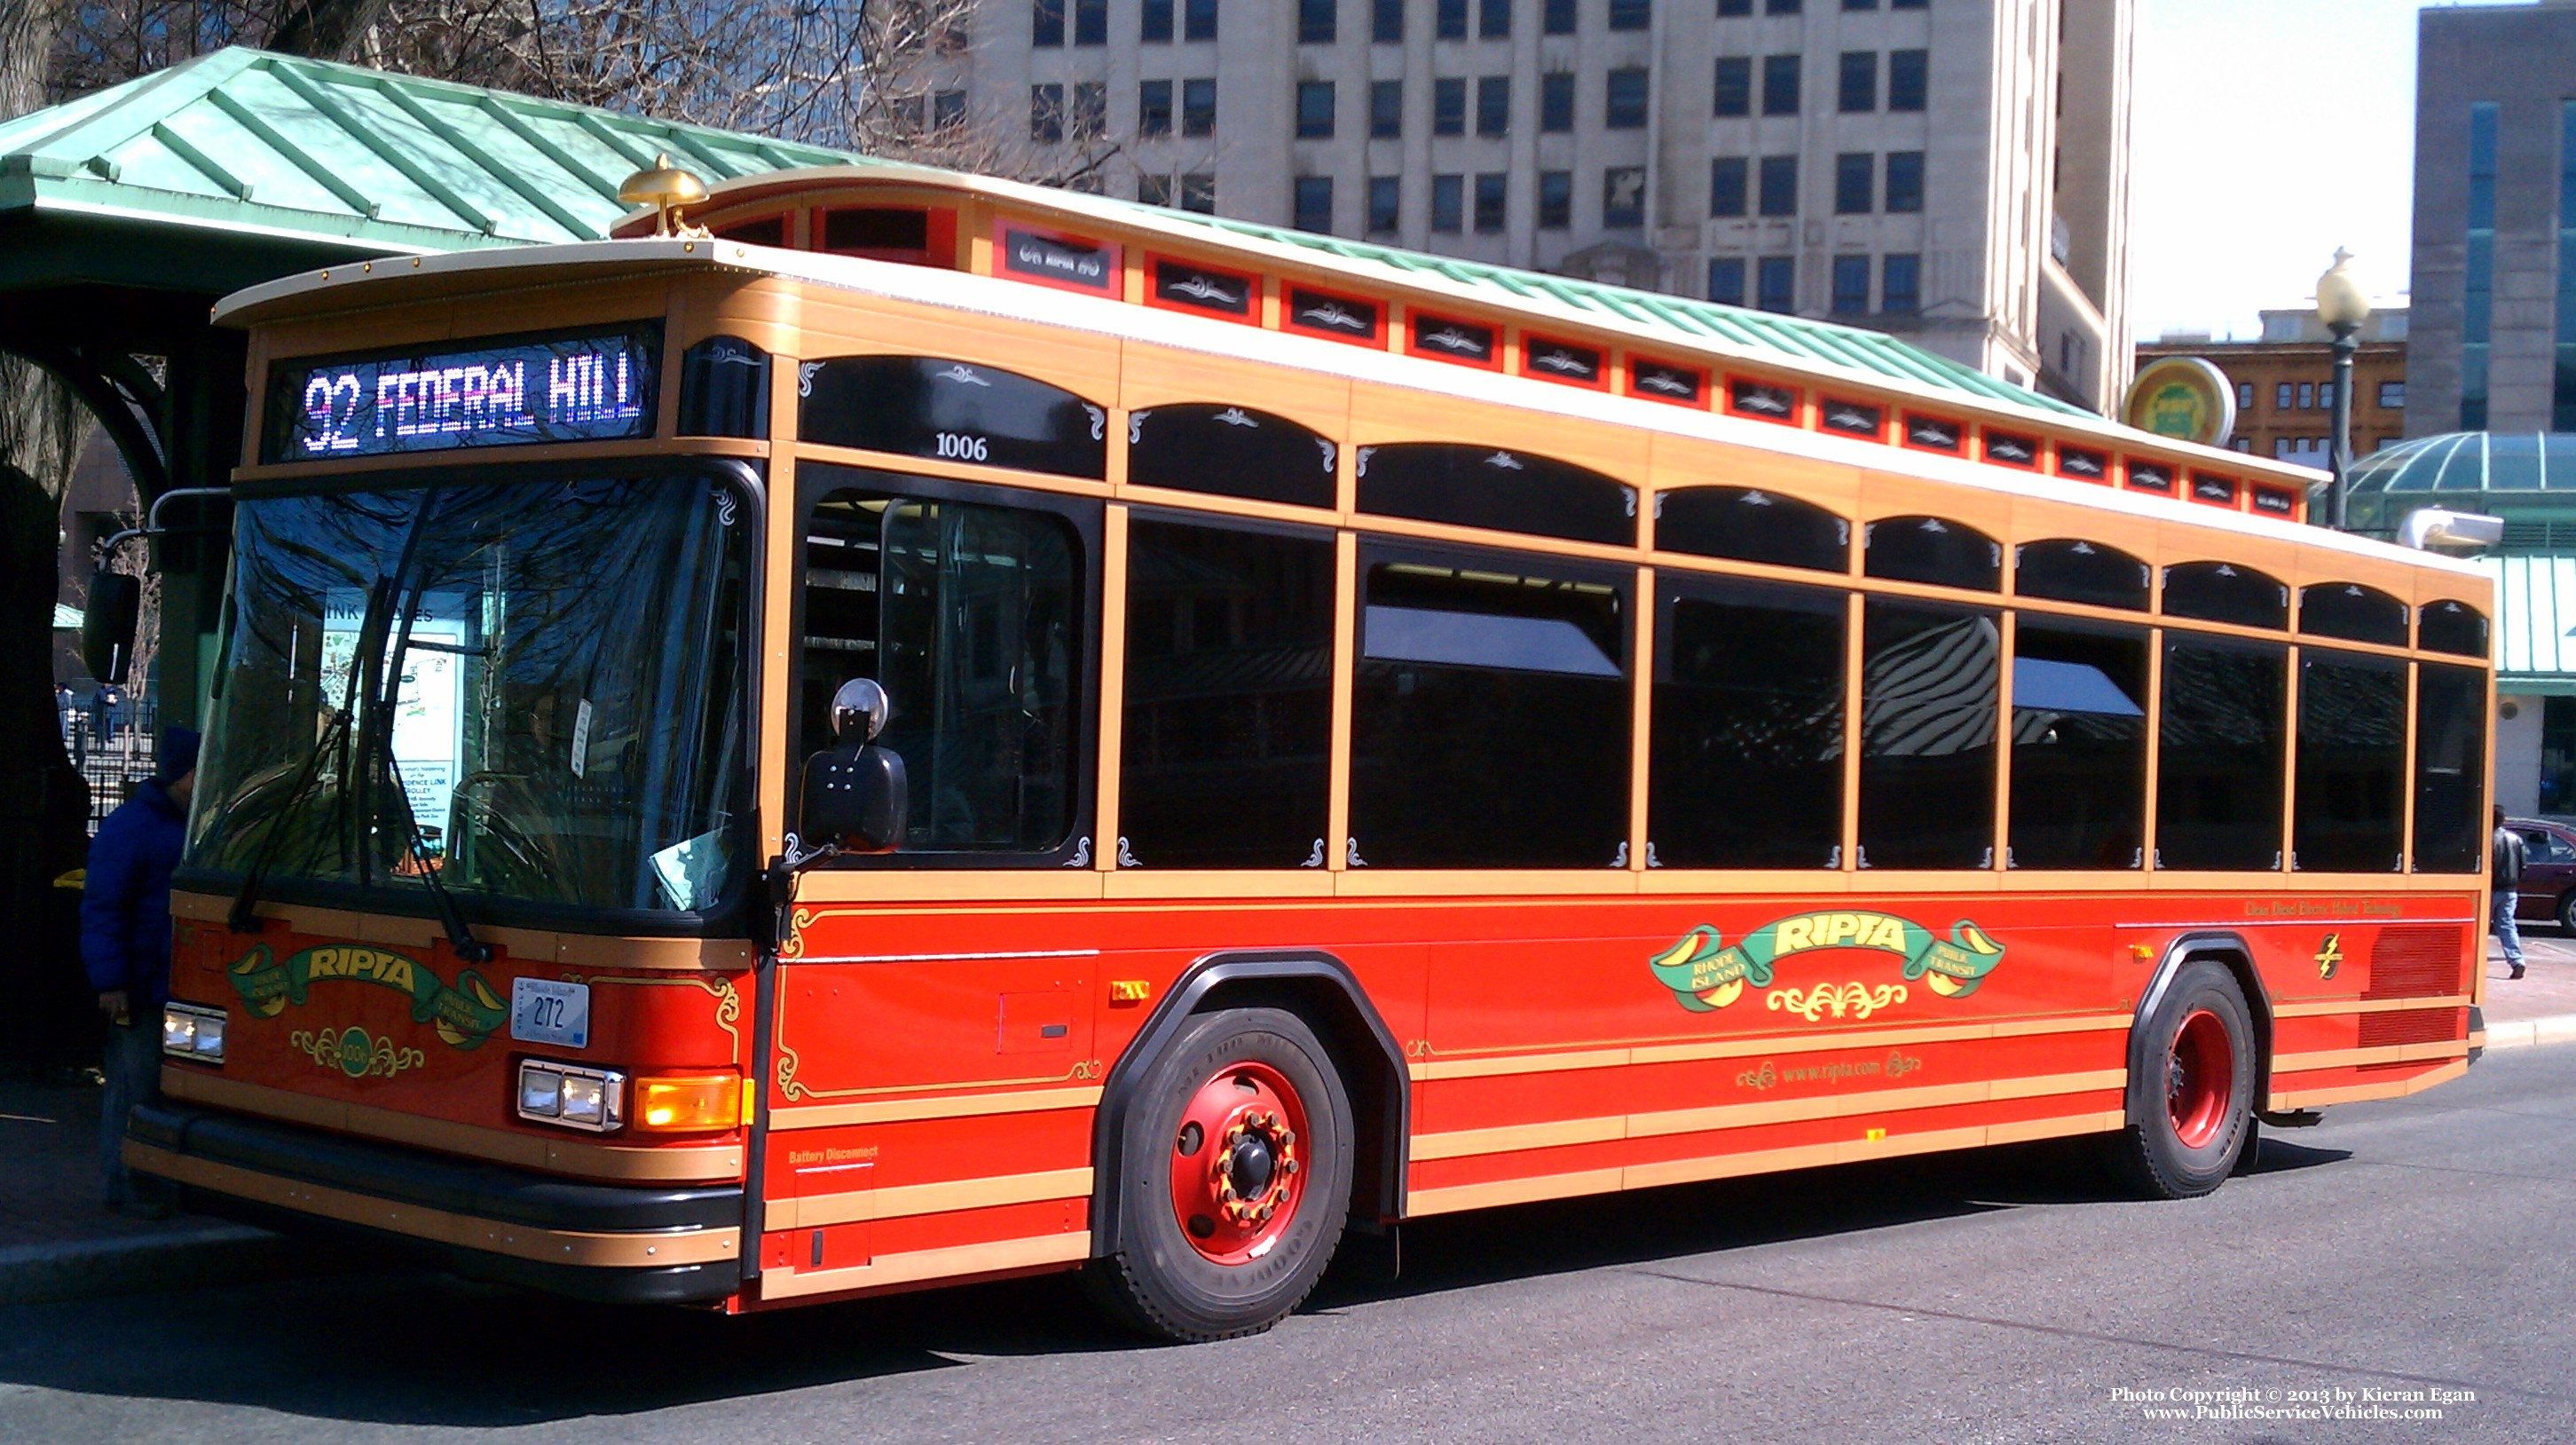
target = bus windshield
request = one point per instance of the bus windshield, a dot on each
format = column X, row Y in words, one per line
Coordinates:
column 528, row 690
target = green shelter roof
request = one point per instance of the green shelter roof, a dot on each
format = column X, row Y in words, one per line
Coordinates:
column 245, row 141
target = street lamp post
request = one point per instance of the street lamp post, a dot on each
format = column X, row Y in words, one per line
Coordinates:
column 2342, row 307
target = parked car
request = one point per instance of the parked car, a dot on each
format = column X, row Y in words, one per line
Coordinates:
column 2548, row 891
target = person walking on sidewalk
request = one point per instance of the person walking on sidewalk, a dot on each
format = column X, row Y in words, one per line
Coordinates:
column 125, row 944
column 2504, row 878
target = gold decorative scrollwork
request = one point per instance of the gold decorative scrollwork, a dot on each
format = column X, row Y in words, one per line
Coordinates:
column 792, row 947
column 356, row 1053
column 1843, row 1000
column 1762, row 1078
column 728, row 1000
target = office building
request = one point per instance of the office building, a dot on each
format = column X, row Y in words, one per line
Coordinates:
column 2284, row 383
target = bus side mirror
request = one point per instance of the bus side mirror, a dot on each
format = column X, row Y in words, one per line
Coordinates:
column 853, row 795
column 107, row 624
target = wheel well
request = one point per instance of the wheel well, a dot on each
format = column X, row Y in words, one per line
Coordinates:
column 2230, row 952
column 1320, row 991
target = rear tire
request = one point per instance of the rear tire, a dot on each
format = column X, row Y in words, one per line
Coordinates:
column 2191, row 1108
column 2567, row 913
column 1234, row 1176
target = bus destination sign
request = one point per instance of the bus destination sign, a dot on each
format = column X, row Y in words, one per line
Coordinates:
column 594, row 385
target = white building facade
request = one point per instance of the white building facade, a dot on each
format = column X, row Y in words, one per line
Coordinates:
column 1952, row 171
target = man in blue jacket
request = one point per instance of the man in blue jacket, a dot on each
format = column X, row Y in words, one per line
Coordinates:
column 125, row 942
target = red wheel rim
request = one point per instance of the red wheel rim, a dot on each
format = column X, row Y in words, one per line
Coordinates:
column 1238, row 1163
column 2200, row 1079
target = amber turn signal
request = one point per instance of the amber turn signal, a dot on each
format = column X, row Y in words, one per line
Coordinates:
column 688, row 1103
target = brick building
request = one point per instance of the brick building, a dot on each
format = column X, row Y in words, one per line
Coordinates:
column 2285, row 384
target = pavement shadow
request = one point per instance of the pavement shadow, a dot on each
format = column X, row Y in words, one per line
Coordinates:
column 419, row 1348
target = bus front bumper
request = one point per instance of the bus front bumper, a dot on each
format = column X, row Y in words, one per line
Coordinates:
column 626, row 1244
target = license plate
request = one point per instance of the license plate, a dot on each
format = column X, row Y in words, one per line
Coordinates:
column 543, row 1011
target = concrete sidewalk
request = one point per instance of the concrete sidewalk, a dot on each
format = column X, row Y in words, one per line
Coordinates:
column 2540, row 1006
column 55, row 1240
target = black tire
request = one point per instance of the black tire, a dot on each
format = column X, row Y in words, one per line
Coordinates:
column 1156, row 1280
column 2151, row 1158
column 2567, row 913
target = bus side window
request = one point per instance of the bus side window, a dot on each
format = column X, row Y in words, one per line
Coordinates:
column 2218, row 769
column 1933, row 550
column 1752, row 525
column 971, row 618
column 2225, row 592
column 2071, row 569
column 1927, row 763
column 1747, row 769
column 1490, row 713
column 2348, row 811
column 1229, row 697
column 1230, row 451
column 2079, row 766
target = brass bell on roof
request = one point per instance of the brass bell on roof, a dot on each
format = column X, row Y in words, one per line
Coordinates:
column 665, row 188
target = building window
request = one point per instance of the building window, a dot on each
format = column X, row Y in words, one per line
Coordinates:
column 1198, row 107
column 1046, row 113
column 1904, row 182
column 1090, row 22
column 1781, row 7
column 1449, row 106
column 1632, row 14
column 2307, row 396
column 2392, row 396
column 1198, row 193
column 1558, row 17
column 2325, row 396
column 1386, row 21
column 2281, row 396
column 1623, row 197
column 1780, row 84
column 1860, row 4
column 1494, row 105
column 1315, row 204
column 1851, row 285
column 1779, row 185
column 1448, row 204
column 2244, row 396
column 1859, row 89
column 1908, row 73
column 1386, row 109
column 1855, row 183
column 1157, row 28
column 1627, row 99
column 1556, row 102
column 1726, row 186
column 1491, row 189
column 1154, row 107
column 1317, row 20
column 1909, row 4
column 1735, row 85
column 1726, row 8
column 1090, row 110
column 1555, row 200
column 1449, row 20
column 1726, row 280
column 1046, row 23
column 2243, row 444
column 1900, row 284
column 2562, row 408
column 1494, row 20
column 1314, row 109
column 1385, row 203
column 1154, row 190
column 1198, row 20
column 1778, row 276
column 2477, row 300
column 948, row 109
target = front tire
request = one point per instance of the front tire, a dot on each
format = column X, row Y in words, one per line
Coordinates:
column 2191, row 1108
column 2567, row 913
column 1235, row 1178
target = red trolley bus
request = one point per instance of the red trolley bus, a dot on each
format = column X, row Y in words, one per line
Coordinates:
column 935, row 730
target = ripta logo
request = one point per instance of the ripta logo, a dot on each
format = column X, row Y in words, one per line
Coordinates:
column 1706, row 973
column 465, row 1013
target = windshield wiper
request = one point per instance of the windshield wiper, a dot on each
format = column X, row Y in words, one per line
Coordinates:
column 244, row 916
column 460, row 936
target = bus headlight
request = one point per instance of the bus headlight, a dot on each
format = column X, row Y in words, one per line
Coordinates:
column 191, row 1031
column 572, row 1096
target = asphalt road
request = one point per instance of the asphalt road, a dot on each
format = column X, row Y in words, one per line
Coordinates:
column 2403, row 1256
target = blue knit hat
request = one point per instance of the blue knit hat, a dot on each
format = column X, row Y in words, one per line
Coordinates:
column 178, row 756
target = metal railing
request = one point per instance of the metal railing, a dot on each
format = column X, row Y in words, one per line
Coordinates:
column 113, row 748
